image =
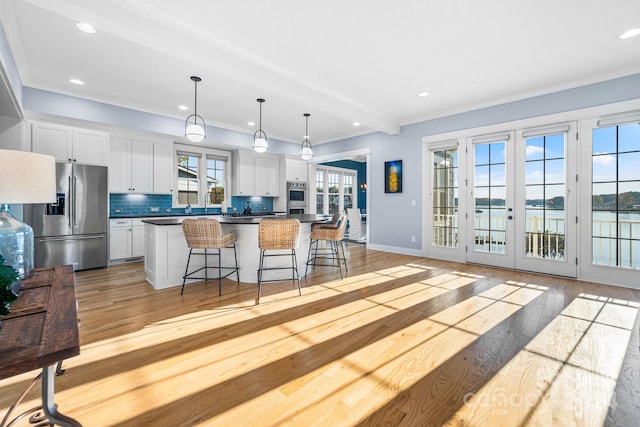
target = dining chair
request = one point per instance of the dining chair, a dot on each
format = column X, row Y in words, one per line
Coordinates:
column 357, row 231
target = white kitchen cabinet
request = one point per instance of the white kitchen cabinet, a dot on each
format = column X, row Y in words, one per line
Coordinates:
column 266, row 172
column 295, row 170
column 130, row 166
column 255, row 174
column 120, row 238
column 126, row 238
column 243, row 173
column 163, row 168
column 66, row 144
column 137, row 238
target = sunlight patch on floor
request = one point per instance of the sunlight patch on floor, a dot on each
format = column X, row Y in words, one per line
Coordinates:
column 578, row 354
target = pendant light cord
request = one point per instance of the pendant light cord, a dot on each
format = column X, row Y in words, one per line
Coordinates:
column 195, row 101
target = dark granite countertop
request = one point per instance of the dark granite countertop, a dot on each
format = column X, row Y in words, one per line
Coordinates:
column 308, row 218
column 195, row 215
column 161, row 214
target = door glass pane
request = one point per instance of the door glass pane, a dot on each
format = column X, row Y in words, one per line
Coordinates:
column 347, row 190
column 627, row 172
column 333, row 184
column 535, row 148
column 545, row 171
column 615, row 199
column 628, row 137
column 445, row 198
column 320, row 192
column 490, row 194
column 604, row 167
column 534, row 171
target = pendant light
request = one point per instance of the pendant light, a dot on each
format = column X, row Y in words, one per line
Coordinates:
column 194, row 127
column 306, row 152
column 260, row 143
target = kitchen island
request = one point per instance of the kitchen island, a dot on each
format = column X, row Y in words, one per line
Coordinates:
column 166, row 250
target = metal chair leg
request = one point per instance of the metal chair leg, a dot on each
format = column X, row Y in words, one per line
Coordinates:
column 293, row 268
column 306, row 269
column 219, row 273
column 295, row 264
column 337, row 255
column 344, row 257
column 186, row 270
column 260, row 265
column 206, row 270
column 235, row 256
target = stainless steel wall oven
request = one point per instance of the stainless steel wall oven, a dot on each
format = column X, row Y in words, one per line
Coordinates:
column 297, row 198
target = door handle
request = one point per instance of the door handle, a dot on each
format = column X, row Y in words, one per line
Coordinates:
column 65, row 239
column 75, row 200
column 69, row 195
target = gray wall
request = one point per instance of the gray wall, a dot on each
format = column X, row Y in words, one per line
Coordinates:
column 9, row 78
column 51, row 103
column 392, row 219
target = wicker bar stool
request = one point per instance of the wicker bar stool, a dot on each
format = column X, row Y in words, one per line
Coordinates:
column 333, row 235
column 334, row 221
column 281, row 236
column 205, row 234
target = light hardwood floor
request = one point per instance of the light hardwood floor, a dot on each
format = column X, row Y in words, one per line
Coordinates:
column 401, row 341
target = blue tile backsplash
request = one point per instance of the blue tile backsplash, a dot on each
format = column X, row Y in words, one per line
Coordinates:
column 128, row 205
column 264, row 204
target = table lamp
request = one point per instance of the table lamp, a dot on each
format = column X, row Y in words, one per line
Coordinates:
column 24, row 178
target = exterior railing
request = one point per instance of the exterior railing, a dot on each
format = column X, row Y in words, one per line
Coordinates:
column 611, row 238
column 544, row 238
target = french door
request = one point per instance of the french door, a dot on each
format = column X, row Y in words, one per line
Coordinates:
column 490, row 216
column 508, row 200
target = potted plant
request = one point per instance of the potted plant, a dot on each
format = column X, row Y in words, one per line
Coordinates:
column 8, row 277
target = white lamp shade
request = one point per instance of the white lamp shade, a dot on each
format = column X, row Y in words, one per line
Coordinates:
column 27, row 177
column 306, row 153
column 260, row 145
column 195, row 133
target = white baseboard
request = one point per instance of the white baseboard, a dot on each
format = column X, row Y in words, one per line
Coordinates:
column 395, row 250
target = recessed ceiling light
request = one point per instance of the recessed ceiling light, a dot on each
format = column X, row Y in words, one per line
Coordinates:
column 356, row 124
column 251, row 123
column 630, row 33
column 183, row 107
column 83, row 26
column 77, row 82
column 423, row 94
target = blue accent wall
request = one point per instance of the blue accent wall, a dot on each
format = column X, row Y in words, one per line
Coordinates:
column 361, row 168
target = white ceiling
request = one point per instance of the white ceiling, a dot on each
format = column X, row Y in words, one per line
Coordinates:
column 340, row 60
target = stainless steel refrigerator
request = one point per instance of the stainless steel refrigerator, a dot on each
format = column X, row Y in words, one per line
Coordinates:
column 73, row 230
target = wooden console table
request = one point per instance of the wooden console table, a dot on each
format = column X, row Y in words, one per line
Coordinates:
column 40, row 331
